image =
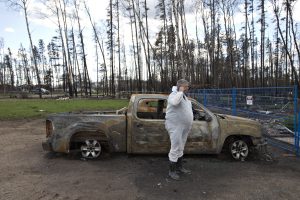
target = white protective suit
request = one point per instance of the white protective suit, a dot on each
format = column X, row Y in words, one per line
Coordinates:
column 179, row 120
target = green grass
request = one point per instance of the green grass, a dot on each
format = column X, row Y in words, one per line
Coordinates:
column 289, row 122
column 24, row 108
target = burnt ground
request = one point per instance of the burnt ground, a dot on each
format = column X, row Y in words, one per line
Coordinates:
column 27, row 172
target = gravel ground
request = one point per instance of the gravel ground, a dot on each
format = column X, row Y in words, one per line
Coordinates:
column 27, row 172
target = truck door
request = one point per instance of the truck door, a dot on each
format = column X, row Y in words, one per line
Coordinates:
column 201, row 138
column 148, row 133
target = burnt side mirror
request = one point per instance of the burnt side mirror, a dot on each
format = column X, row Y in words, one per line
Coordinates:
column 208, row 118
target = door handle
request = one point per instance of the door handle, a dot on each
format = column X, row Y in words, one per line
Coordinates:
column 139, row 125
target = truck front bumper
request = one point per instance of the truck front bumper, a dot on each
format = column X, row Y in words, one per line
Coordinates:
column 47, row 146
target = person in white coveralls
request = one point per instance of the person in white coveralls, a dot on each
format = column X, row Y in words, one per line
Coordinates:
column 179, row 120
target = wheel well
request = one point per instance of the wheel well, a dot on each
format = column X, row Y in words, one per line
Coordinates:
column 79, row 138
column 230, row 138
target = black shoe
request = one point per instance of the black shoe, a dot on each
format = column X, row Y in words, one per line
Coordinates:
column 172, row 171
column 180, row 167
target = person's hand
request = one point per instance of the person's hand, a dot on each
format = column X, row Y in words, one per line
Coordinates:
column 181, row 89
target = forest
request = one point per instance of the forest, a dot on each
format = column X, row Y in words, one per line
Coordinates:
column 214, row 52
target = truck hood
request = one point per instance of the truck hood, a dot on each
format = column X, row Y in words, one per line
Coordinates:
column 239, row 125
column 235, row 119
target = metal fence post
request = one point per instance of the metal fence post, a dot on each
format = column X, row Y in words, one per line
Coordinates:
column 205, row 100
column 199, row 95
column 297, row 136
column 234, row 101
column 296, row 119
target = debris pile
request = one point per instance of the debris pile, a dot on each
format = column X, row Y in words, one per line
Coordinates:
column 274, row 128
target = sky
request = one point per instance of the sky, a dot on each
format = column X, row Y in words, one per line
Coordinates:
column 13, row 28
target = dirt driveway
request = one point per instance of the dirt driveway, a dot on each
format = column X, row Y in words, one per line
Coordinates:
column 27, row 172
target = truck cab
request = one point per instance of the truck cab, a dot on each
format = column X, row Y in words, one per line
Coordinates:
column 147, row 133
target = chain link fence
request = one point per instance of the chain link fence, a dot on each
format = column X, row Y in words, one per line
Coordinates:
column 275, row 107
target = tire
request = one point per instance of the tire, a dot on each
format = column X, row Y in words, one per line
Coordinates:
column 238, row 149
column 91, row 149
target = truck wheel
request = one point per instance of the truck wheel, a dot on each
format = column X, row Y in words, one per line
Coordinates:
column 91, row 148
column 239, row 149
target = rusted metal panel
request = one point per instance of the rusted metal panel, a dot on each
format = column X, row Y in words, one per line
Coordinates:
column 150, row 135
column 65, row 125
column 232, row 125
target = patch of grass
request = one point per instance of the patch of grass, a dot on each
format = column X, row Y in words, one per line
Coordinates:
column 29, row 108
column 289, row 122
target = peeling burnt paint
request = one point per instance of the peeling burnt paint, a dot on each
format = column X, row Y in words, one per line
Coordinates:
column 126, row 132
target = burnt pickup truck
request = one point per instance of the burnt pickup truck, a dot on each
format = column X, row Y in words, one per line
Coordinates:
column 140, row 129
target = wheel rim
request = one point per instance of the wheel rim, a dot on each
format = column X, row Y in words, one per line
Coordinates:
column 239, row 150
column 91, row 149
